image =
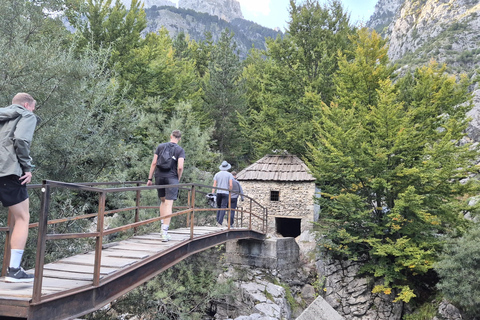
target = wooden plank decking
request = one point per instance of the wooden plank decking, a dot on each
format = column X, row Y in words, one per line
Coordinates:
column 74, row 275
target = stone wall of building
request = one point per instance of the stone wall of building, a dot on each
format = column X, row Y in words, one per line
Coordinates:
column 296, row 200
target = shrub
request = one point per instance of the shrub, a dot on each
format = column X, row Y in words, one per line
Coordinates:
column 459, row 269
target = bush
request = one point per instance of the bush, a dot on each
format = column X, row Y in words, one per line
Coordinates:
column 459, row 269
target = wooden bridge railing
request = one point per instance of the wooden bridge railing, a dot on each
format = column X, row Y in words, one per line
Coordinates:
column 254, row 214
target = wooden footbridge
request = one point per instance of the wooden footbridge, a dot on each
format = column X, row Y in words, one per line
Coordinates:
column 121, row 257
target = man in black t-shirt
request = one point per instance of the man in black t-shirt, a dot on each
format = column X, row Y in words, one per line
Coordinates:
column 167, row 177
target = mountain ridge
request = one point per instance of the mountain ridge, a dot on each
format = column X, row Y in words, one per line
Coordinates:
column 247, row 34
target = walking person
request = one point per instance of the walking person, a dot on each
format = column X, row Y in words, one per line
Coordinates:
column 17, row 124
column 167, row 166
column 222, row 179
column 237, row 192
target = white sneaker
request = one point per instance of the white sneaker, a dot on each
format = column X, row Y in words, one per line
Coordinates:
column 166, row 237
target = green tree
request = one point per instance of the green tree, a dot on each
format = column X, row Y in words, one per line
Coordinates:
column 358, row 80
column 82, row 132
column 459, row 272
column 154, row 71
column 102, row 25
column 317, row 33
column 73, row 95
column 284, row 90
column 225, row 96
column 392, row 172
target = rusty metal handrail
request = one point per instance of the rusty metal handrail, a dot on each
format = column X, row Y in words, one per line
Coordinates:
column 43, row 222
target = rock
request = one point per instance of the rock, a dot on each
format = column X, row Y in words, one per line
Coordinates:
column 449, row 311
column 224, row 9
column 308, row 293
column 269, row 309
column 320, row 310
column 351, row 296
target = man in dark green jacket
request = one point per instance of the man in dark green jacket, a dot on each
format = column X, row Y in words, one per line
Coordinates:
column 17, row 124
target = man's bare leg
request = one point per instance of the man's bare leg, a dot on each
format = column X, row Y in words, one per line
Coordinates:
column 21, row 216
column 20, row 213
column 166, row 208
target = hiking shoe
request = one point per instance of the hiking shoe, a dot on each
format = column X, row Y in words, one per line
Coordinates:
column 165, row 237
column 18, row 275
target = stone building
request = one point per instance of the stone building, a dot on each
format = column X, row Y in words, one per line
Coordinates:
column 284, row 185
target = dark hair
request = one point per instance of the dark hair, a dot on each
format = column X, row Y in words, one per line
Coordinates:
column 176, row 134
column 234, row 173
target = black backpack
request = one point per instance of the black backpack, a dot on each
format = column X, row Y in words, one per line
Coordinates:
column 166, row 159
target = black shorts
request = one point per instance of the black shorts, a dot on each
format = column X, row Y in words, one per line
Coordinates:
column 12, row 191
column 168, row 193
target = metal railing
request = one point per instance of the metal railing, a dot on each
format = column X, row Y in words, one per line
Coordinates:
column 253, row 217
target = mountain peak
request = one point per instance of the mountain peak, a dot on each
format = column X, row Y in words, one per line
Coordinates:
column 224, row 9
column 227, row 10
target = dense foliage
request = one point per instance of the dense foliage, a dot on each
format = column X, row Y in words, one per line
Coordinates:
column 458, row 268
column 188, row 290
column 388, row 152
column 392, row 166
column 284, row 89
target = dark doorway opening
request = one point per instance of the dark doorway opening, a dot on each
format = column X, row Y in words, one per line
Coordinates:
column 288, row 227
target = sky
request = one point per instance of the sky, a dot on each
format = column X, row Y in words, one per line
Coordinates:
column 274, row 13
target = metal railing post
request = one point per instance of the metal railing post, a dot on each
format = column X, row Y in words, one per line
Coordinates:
column 99, row 240
column 250, row 216
column 137, row 211
column 41, row 242
column 265, row 228
column 6, row 252
column 241, row 216
column 229, row 208
column 188, row 204
column 192, row 213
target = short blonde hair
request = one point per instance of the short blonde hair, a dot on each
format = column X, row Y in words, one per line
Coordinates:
column 22, row 98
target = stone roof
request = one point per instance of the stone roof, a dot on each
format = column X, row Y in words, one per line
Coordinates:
column 285, row 167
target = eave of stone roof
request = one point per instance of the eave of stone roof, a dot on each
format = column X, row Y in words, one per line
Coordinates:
column 284, row 167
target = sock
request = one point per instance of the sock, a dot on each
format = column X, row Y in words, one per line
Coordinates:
column 15, row 258
column 165, row 228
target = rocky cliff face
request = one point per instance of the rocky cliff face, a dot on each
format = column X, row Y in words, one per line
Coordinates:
column 227, row 10
column 150, row 3
column 437, row 28
column 385, row 11
column 224, row 9
column 445, row 30
column 196, row 24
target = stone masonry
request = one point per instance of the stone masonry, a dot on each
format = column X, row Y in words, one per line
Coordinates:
column 295, row 200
